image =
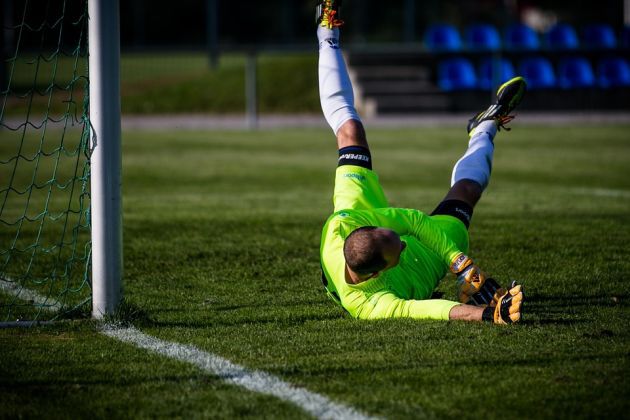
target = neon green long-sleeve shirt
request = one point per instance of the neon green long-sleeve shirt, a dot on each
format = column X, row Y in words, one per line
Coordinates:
column 404, row 290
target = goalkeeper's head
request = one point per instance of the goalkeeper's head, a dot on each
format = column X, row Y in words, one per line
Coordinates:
column 370, row 250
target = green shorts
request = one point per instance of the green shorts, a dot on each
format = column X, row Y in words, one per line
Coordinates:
column 359, row 188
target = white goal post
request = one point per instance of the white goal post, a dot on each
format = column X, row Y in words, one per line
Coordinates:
column 106, row 203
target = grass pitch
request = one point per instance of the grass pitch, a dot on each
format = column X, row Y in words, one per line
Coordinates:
column 221, row 245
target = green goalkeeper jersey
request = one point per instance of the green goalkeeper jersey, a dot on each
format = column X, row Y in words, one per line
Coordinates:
column 404, row 290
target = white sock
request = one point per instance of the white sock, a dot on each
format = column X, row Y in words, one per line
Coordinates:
column 335, row 89
column 476, row 164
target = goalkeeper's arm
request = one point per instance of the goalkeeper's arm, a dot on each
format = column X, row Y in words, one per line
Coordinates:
column 506, row 311
column 387, row 305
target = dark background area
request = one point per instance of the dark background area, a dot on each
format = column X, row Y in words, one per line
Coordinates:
column 159, row 24
column 384, row 42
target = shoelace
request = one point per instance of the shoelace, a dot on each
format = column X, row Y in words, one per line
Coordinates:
column 502, row 121
column 329, row 17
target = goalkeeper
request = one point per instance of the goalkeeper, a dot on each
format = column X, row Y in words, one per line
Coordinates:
column 384, row 262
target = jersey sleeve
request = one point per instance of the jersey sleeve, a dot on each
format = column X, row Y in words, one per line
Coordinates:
column 414, row 223
column 387, row 305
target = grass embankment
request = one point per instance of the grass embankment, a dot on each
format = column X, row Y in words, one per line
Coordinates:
column 170, row 83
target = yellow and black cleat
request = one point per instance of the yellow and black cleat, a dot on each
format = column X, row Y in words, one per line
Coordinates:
column 327, row 13
column 509, row 95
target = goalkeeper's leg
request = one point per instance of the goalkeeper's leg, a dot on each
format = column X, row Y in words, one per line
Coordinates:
column 471, row 173
column 335, row 89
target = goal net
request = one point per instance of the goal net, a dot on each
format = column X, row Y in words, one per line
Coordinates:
column 45, row 248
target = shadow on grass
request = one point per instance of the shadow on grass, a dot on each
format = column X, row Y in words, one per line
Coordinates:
column 482, row 364
column 539, row 309
column 129, row 314
column 223, row 315
column 570, row 309
column 212, row 314
column 575, row 300
column 282, row 321
column 13, row 384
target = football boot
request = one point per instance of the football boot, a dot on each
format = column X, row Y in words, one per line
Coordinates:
column 509, row 95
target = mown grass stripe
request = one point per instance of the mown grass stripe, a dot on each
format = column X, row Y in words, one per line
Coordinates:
column 256, row 381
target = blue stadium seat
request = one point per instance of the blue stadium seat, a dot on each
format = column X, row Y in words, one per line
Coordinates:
column 599, row 37
column 538, row 72
column 482, row 37
column 575, row 72
column 486, row 70
column 625, row 37
column 456, row 74
column 562, row 37
column 521, row 37
column 613, row 72
column 442, row 37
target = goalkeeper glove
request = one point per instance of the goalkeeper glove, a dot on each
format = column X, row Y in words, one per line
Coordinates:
column 489, row 293
column 470, row 278
column 508, row 308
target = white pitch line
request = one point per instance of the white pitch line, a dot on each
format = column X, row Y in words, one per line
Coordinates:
column 602, row 192
column 11, row 287
column 256, row 381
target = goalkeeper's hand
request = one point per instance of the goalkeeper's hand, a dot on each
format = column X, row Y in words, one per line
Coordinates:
column 489, row 294
column 508, row 308
column 470, row 279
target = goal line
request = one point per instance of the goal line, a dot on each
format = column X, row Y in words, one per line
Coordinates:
column 256, row 381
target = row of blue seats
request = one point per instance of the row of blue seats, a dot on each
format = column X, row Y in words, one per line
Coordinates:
column 444, row 37
column 459, row 73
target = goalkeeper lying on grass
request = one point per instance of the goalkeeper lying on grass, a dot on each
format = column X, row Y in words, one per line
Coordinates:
column 383, row 262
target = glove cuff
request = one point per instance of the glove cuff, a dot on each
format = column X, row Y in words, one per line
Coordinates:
column 460, row 263
column 488, row 314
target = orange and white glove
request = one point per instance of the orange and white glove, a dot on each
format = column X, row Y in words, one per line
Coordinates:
column 508, row 308
column 489, row 294
column 470, row 279
column 474, row 288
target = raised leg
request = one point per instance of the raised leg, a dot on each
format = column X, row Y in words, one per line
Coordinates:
column 335, row 90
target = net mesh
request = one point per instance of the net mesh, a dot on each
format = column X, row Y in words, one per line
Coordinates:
column 44, row 160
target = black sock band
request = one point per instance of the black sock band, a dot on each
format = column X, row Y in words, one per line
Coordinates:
column 355, row 155
column 488, row 314
column 456, row 208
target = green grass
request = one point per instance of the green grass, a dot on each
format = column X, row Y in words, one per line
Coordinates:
column 44, row 212
column 221, row 251
column 186, row 83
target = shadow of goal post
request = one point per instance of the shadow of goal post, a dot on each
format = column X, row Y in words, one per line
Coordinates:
column 106, row 203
